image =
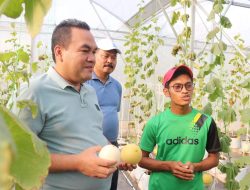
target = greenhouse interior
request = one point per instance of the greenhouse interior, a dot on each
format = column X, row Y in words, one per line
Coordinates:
column 207, row 38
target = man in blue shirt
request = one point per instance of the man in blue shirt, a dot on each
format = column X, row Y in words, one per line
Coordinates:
column 108, row 91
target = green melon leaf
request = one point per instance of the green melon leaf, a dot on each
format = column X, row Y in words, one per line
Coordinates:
column 7, row 150
column 23, row 56
column 5, row 57
column 212, row 33
column 11, row 8
column 30, row 165
column 35, row 10
column 225, row 22
column 175, row 17
column 28, row 104
column 245, row 115
column 207, row 109
column 246, row 84
column 211, row 15
column 217, row 8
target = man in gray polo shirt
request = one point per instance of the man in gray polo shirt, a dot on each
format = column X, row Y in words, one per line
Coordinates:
column 69, row 119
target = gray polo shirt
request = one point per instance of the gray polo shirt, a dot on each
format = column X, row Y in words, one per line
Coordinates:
column 68, row 121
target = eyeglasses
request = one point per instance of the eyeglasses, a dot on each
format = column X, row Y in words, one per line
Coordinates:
column 189, row 86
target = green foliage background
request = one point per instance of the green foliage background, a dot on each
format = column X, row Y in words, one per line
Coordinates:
column 24, row 158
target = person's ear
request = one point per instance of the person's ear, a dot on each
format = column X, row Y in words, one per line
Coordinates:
column 166, row 92
column 58, row 53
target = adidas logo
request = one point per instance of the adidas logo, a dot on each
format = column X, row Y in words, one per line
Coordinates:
column 180, row 140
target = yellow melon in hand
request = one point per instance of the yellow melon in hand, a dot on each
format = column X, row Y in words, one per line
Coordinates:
column 131, row 154
column 207, row 179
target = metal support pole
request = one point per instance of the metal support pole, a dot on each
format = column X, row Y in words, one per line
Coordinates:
column 127, row 179
column 193, row 28
column 108, row 34
column 110, row 12
column 167, row 17
column 227, row 8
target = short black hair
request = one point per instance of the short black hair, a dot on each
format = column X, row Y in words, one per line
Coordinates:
column 181, row 71
column 62, row 33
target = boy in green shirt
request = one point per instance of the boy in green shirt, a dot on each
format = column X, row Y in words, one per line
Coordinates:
column 182, row 135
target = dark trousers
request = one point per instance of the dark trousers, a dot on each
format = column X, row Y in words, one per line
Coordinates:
column 115, row 174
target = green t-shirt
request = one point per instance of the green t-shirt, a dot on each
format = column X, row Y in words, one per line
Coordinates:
column 179, row 138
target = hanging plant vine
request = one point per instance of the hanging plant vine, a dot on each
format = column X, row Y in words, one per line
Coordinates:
column 141, row 59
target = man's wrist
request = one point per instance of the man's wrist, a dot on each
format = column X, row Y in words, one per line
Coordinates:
column 167, row 165
column 76, row 162
column 197, row 167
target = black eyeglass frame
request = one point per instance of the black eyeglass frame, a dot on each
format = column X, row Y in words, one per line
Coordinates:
column 188, row 88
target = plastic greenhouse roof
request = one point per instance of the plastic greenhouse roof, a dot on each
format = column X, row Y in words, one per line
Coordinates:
column 99, row 14
column 120, row 15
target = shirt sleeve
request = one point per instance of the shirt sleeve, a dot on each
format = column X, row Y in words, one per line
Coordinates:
column 213, row 141
column 148, row 139
column 34, row 123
